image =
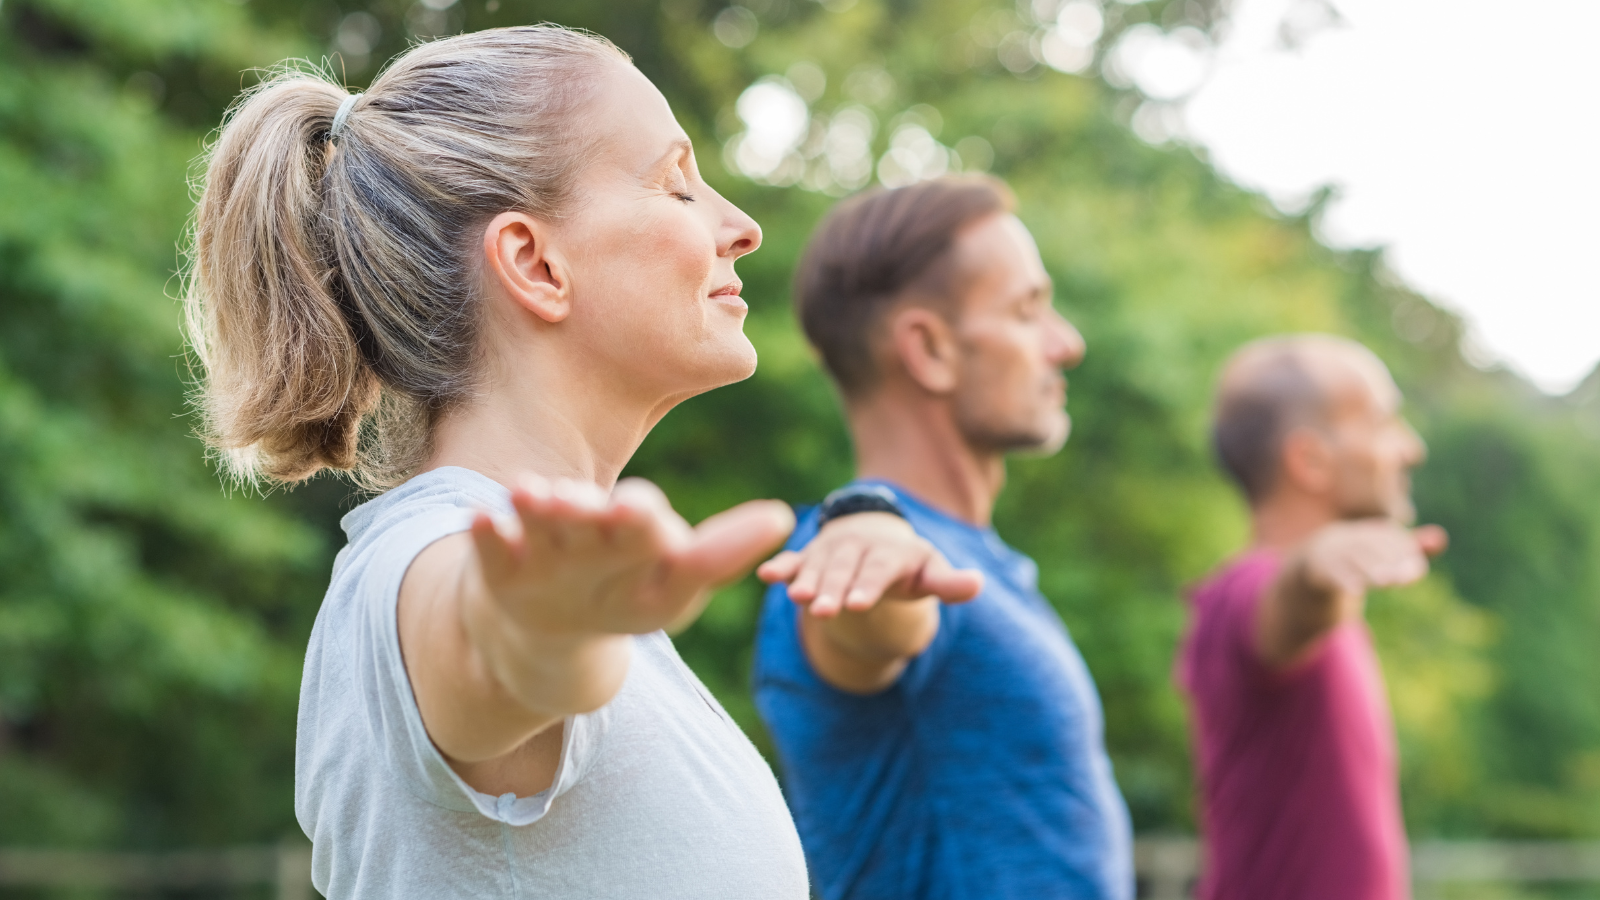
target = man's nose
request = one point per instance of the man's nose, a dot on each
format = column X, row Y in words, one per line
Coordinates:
column 1416, row 447
column 1066, row 346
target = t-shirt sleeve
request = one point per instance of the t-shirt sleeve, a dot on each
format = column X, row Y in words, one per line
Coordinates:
column 391, row 707
column 921, row 668
column 1239, row 609
column 1241, row 604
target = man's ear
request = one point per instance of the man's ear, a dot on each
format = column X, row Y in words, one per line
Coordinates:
column 925, row 346
column 1307, row 462
column 529, row 270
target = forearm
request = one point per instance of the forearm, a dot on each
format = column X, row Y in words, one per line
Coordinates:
column 1294, row 614
column 865, row 651
column 483, row 684
column 549, row 675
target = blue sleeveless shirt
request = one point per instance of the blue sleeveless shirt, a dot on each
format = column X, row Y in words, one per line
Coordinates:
column 980, row 773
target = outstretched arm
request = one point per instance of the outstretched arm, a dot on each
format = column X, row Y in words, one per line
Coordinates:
column 852, row 640
column 1324, row 582
column 511, row 627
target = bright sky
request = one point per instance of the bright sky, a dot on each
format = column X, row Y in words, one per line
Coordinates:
column 1464, row 134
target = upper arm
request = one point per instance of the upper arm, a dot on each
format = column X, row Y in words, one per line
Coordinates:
column 482, row 731
column 1290, row 620
column 1267, row 636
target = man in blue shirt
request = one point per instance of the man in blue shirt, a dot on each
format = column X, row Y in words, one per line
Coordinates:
column 935, row 749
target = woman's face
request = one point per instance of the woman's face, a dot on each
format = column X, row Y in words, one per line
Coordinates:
column 652, row 248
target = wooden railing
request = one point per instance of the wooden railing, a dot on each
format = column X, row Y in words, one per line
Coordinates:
column 1166, row 867
column 286, row 867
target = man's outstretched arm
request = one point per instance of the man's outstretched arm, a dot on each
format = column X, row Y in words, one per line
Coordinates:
column 855, row 642
column 1324, row 582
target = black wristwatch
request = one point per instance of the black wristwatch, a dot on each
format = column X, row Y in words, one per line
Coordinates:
column 859, row 498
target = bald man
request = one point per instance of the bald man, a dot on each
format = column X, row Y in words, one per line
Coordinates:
column 1296, row 751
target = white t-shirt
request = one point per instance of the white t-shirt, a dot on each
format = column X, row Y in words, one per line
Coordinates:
column 658, row 794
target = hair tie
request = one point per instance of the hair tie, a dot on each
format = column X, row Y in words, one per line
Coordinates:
column 343, row 114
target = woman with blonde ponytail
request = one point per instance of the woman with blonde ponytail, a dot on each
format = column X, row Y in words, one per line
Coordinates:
column 476, row 287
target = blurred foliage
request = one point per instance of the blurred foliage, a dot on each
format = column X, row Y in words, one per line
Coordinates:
column 151, row 625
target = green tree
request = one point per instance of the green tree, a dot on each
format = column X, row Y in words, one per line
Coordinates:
column 152, row 623
column 148, row 620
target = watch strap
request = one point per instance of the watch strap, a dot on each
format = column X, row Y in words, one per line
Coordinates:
column 859, row 498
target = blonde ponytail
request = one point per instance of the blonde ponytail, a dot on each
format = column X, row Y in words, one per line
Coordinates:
column 332, row 293
column 287, row 386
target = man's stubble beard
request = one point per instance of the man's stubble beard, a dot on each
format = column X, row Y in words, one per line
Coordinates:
column 982, row 433
column 976, row 419
column 1397, row 507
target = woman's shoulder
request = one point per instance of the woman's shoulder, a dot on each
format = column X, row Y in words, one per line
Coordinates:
column 429, row 494
column 389, row 532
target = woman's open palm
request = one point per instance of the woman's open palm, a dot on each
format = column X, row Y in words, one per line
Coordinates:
column 575, row 561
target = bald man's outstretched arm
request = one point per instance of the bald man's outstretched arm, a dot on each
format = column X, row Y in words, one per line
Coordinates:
column 1324, row 582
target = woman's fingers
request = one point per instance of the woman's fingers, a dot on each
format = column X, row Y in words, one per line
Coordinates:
column 629, row 552
column 730, row 543
column 643, row 497
column 532, row 502
column 579, row 510
column 562, row 515
column 644, row 522
column 496, row 554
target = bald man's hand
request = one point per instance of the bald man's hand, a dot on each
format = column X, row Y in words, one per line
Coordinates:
column 1324, row 582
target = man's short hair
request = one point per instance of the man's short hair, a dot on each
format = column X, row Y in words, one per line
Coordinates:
column 870, row 250
column 1257, row 409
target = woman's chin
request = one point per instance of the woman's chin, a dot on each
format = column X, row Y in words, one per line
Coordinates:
column 712, row 367
column 739, row 360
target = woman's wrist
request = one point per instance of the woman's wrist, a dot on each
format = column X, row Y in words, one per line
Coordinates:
column 549, row 673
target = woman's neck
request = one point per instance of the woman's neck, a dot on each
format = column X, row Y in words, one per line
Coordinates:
column 541, row 426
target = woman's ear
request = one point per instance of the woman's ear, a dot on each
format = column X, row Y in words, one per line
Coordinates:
column 926, row 348
column 524, row 263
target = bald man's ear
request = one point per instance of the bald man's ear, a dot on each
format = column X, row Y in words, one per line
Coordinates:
column 1306, row 462
column 925, row 346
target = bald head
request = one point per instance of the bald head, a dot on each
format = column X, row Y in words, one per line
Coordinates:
column 1272, row 387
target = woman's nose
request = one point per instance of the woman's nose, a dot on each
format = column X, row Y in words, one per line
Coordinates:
column 740, row 233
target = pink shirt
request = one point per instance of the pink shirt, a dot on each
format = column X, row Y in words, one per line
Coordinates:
column 1300, row 797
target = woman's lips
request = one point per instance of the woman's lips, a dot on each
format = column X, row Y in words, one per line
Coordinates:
column 729, row 294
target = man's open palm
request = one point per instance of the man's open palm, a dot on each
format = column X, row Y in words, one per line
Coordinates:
column 857, row 560
column 1352, row 557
